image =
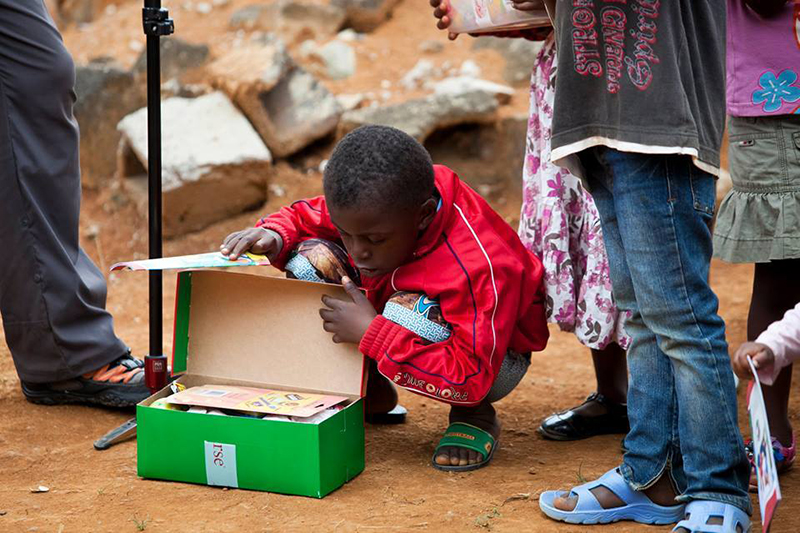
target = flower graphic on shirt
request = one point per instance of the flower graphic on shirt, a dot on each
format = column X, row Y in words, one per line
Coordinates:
column 776, row 90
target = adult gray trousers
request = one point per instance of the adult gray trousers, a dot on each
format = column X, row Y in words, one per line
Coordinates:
column 52, row 297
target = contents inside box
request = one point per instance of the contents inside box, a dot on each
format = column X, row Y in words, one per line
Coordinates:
column 215, row 399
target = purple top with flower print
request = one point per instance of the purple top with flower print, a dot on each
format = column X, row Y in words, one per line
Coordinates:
column 763, row 61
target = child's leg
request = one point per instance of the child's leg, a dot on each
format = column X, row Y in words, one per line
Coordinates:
column 483, row 416
column 381, row 394
column 776, row 289
column 654, row 211
column 611, row 372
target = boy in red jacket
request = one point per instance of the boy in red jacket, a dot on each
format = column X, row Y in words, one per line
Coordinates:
column 408, row 225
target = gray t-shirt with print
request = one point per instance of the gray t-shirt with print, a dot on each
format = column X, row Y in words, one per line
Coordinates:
column 641, row 75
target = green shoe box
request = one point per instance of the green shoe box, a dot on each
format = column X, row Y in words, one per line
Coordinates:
column 234, row 328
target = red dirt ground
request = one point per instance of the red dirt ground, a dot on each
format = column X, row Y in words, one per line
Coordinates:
column 100, row 491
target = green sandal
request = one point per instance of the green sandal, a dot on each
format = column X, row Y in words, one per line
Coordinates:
column 461, row 435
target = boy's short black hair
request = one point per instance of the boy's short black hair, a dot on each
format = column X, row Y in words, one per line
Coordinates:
column 378, row 166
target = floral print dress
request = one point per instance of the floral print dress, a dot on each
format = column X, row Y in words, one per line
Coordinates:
column 559, row 223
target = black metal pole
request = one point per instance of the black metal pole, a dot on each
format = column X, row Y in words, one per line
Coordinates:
column 156, row 23
column 154, row 181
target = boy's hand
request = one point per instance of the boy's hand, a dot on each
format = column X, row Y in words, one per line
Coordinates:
column 256, row 240
column 763, row 359
column 347, row 320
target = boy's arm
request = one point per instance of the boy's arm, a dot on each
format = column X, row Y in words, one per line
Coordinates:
column 304, row 219
column 462, row 369
column 783, row 338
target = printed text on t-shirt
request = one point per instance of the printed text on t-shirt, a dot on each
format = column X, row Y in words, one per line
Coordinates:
column 596, row 54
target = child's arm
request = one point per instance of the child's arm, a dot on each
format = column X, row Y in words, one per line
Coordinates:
column 775, row 348
column 297, row 222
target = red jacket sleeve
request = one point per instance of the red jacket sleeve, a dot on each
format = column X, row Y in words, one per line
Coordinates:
column 302, row 220
column 462, row 369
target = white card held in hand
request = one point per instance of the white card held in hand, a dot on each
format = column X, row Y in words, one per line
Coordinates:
column 769, row 491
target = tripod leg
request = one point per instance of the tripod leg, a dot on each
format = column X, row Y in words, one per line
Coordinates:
column 118, row 434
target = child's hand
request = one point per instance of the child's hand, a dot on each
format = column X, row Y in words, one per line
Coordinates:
column 256, row 240
column 347, row 320
column 441, row 10
column 763, row 359
column 528, row 5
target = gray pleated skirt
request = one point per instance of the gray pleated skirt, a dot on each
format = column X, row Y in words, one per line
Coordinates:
column 759, row 219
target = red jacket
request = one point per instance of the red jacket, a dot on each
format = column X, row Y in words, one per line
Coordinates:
column 488, row 284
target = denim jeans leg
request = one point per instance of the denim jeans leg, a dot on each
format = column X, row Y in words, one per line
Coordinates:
column 663, row 205
column 652, row 442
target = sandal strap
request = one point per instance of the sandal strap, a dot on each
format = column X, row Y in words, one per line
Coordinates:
column 699, row 511
column 462, row 435
column 612, row 407
column 614, row 482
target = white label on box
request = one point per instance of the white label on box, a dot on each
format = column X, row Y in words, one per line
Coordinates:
column 221, row 464
column 482, row 17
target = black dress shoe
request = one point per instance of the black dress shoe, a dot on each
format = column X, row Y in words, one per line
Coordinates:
column 570, row 425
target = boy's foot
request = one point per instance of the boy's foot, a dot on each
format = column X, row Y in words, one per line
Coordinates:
column 596, row 416
column 784, row 459
column 483, row 417
column 117, row 384
column 610, row 499
column 661, row 493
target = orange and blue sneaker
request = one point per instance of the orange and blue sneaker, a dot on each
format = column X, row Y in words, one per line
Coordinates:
column 784, row 459
column 117, row 384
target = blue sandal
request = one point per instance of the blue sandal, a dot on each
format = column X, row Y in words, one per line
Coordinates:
column 699, row 512
column 638, row 507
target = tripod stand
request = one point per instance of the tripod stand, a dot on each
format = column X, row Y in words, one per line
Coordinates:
column 156, row 24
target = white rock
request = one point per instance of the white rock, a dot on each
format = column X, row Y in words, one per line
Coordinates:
column 307, row 48
column 135, row 45
column 349, row 35
column 422, row 116
column 350, row 101
column 386, row 84
column 339, row 59
column 385, row 95
column 471, row 69
column 277, row 190
column 424, row 70
column 214, row 164
column 431, row 47
column 203, row 8
column 463, row 84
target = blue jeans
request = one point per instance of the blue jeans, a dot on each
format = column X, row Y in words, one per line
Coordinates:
column 655, row 212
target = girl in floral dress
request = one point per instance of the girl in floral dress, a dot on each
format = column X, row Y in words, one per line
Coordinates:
column 560, row 224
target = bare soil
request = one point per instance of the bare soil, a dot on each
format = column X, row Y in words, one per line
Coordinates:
column 99, row 491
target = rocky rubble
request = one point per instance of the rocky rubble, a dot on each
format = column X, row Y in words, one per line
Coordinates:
column 288, row 107
column 275, row 90
column 106, row 93
column 214, row 163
